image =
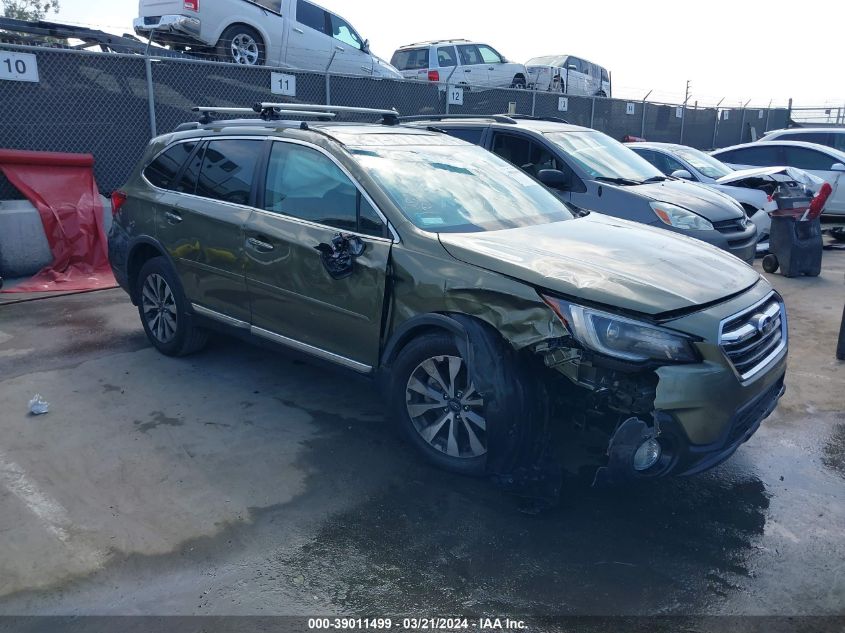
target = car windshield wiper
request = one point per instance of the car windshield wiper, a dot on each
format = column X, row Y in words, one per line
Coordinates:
column 627, row 182
column 657, row 179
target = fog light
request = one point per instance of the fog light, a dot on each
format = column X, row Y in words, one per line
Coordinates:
column 647, row 455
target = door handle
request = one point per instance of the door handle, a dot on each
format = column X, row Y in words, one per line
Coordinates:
column 300, row 31
column 467, row 70
column 173, row 218
column 259, row 245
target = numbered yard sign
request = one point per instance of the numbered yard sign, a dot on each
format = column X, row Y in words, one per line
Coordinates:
column 18, row 67
column 563, row 104
column 679, row 112
column 456, row 96
column 631, row 108
column 282, row 84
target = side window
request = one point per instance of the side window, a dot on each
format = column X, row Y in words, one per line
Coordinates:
column 305, row 184
column 163, row 170
column 574, row 64
column 514, row 149
column 489, row 55
column 838, row 141
column 469, row 55
column 604, row 76
column 541, row 158
column 670, row 164
column 471, row 135
column 446, row 57
column 762, row 156
column 311, row 16
column 342, row 32
column 807, row 159
column 228, row 169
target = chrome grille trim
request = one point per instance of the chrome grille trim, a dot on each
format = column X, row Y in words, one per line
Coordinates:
column 749, row 348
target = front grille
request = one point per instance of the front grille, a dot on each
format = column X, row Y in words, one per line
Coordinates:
column 755, row 337
column 730, row 226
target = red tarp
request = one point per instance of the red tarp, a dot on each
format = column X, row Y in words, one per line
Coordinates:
column 62, row 188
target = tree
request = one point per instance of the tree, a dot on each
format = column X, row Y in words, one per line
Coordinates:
column 31, row 10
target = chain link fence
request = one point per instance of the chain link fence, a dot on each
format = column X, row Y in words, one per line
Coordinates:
column 110, row 105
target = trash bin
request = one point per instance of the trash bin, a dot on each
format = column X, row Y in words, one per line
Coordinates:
column 795, row 240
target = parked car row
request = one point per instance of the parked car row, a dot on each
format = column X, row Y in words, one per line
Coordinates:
column 300, row 34
column 488, row 305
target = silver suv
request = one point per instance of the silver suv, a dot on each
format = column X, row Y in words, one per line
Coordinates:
column 459, row 62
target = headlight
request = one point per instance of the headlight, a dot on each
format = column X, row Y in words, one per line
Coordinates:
column 674, row 215
column 623, row 338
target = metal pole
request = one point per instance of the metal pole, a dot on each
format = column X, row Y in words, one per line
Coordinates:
column 840, row 348
column 716, row 124
column 534, row 102
column 789, row 114
column 742, row 126
column 683, row 121
column 151, row 101
column 642, row 132
column 328, row 89
column 593, row 113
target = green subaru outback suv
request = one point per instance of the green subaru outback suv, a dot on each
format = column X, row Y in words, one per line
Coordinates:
column 488, row 310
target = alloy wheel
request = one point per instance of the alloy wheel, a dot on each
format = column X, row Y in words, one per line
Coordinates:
column 446, row 409
column 159, row 307
column 244, row 50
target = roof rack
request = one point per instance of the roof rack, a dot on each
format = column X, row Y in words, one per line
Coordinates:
column 209, row 112
column 434, row 42
column 271, row 111
column 498, row 118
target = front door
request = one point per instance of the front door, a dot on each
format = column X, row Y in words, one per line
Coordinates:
column 317, row 256
column 350, row 58
column 201, row 224
column 308, row 43
column 475, row 72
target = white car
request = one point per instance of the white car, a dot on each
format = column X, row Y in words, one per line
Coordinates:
column 288, row 33
column 752, row 188
column 459, row 62
column 568, row 74
column 824, row 162
column 831, row 136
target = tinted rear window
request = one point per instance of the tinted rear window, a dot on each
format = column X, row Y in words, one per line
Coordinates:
column 228, row 169
column 412, row 59
column 471, row 135
column 163, row 170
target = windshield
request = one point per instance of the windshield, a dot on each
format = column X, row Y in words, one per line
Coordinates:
column 548, row 60
column 603, row 158
column 459, row 188
column 707, row 165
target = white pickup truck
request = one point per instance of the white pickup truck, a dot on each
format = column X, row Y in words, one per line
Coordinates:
column 286, row 33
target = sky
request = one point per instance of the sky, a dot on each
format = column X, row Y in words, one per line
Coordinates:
column 736, row 50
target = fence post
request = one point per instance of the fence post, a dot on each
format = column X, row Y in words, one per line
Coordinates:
column 533, row 103
column 742, row 126
column 768, row 114
column 642, row 130
column 715, row 128
column 328, row 89
column 151, row 101
column 593, row 113
column 683, row 122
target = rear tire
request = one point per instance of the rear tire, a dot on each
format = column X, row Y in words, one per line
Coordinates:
column 241, row 45
column 164, row 312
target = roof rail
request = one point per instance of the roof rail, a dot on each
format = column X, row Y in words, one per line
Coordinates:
column 528, row 117
column 498, row 118
column 209, row 112
column 434, row 42
column 271, row 111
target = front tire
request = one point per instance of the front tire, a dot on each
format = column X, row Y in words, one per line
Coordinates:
column 437, row 407
column 164, row 313
column 241, row 45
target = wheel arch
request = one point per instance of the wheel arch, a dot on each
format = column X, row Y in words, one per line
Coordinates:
column 417, row 326
column 140, row 252
column 265, row 36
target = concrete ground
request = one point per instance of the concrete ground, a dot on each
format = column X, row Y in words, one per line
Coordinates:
column 241, row 482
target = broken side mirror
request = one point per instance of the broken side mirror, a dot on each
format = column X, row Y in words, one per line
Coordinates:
column 555, row 179
column 682, row 174
column 838, row 167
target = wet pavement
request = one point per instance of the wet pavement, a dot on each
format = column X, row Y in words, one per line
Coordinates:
column 242, row 482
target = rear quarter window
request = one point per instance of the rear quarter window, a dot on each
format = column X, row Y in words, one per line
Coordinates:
column 413, row 59
column 228, row 169
column 162, row 172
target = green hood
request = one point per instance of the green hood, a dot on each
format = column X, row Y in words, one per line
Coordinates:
column 608, row 261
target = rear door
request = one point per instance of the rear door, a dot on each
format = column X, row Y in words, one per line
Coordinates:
column 302, row 296
column 201, row 224
column 475, row 72
column 310, row 45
